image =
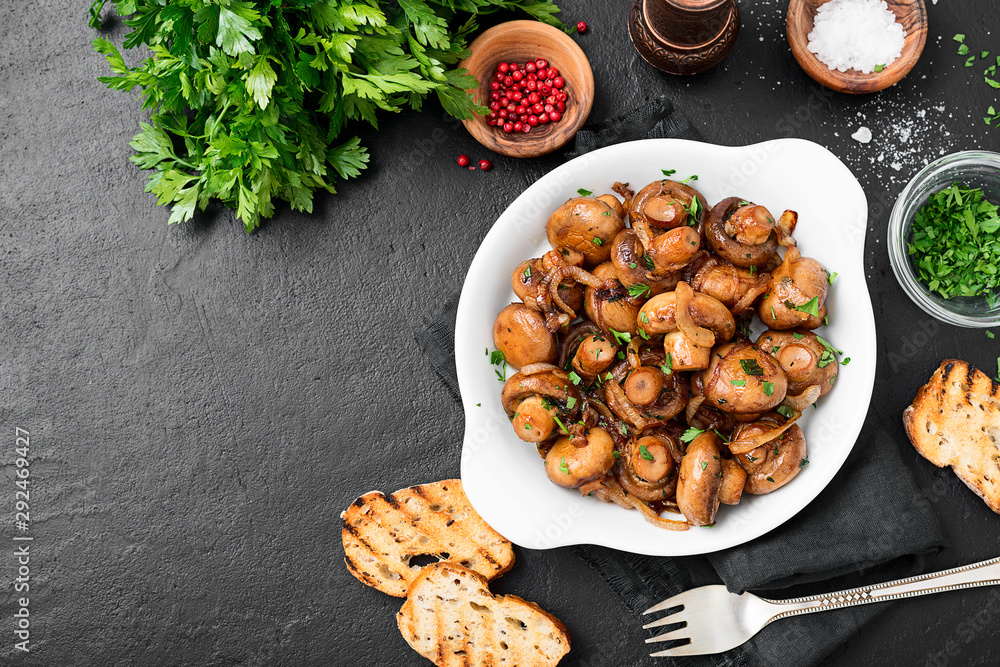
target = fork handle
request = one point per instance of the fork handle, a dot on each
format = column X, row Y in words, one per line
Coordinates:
column 985, row 573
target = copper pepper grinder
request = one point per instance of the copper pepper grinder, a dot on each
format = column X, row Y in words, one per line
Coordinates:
column 683, row 36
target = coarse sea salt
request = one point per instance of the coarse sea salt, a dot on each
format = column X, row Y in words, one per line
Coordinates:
column 858, row 34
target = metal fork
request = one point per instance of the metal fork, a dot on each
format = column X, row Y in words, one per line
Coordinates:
column 717, row 620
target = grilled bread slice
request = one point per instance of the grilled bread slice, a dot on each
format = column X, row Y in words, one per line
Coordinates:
column 955, row 421
column 451, row 618
column 382, row 534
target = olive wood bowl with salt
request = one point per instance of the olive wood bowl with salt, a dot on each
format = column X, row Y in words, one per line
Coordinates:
column 911, row 14
column 520, row 41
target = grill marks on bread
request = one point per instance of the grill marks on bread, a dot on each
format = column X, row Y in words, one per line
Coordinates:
column 955, row 421
column 451, row 618
column 382, row 534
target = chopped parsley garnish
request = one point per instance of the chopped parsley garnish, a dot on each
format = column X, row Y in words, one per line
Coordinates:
column 830, row 277
column 605, row 212
column 585, row 193
column 770, row 479
column 753, row 269
column 645, row 318
column 563, row 467
column 622, row 428
column 562, row 427
column 691, row 434
column 616, row 454
column 692, row 177
column 879, row 68
column 644, row 453
column 719, row 433
column 668, row 365
column 621, row 337
column 570, row 402
column 647, row 261
column 598, row 241
column 704, row 464
column 803, row 463
column 632, row 265
column 751, row 367
column 768, row 387
column 574, row 378
column 496, row 357
column 738, row 383
column 669, row 172
column 694, row 210
column 797, row 336
column 638, row 290
column 829, row 355
column 955, row 245
column 811, row 306
column 990, row 334
column 785, row 411
column 775, row 349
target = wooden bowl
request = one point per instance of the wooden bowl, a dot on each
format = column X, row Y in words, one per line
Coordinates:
column 911, row 14
column 517, row 41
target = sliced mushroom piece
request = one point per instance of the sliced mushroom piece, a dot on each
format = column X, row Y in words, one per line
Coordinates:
column 699, row 480
column 647, row 469
column 594, row 355
column 734, row 478
column 659, row 316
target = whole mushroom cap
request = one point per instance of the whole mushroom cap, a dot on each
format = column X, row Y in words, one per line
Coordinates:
column 520, row 333
column 588, row 226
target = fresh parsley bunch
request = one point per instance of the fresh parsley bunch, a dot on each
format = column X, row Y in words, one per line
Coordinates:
column 250, row 101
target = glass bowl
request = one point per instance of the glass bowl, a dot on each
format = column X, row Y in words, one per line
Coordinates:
column 975, row 169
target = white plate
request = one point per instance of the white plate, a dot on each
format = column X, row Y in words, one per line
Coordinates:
column 504, row 476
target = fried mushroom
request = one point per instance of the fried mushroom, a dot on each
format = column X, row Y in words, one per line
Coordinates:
column 796, row 294
column 521, row 334
column 587, row 225
column 699, row 480
column 805, row 359
column 774, row 464
column 570, row 466
column 740, row 217
column 743, row 379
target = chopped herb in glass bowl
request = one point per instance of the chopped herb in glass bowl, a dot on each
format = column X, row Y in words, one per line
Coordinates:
column 944, row 239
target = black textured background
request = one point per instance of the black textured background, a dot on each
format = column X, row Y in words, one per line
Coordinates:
column 202, row 404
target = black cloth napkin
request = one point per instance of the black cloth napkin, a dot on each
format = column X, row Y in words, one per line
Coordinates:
column 870, row 524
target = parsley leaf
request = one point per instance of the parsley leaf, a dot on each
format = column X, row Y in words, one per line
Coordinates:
column 563, row 466
column 621, row 337
column 691, row 434
column 252, row 103
column 668, row 365
column 638, row 290
column 644, row 453
column 751, row 367
column 768, row 387
column 584, row 193
column 785, row 411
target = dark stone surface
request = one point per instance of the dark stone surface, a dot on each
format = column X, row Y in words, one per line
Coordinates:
column 202, row 404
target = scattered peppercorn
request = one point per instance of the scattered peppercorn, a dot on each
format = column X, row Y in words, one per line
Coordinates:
column 485, row 165
column 463, row 160
column 581, row 27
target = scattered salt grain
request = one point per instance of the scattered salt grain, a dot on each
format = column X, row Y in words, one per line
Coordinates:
column 858, row 34
column 864, row 135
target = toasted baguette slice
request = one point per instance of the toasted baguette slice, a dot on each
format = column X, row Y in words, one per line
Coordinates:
column 382, row 533
column 451, row 618
column 955, row 421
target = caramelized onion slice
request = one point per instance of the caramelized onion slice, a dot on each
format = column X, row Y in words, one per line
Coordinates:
column 800, row 402
column 532, row 369
column 611, row 484
column 692, row 407
column 763, row 283
column 685, row 322
column 744, row 445
column 623, row 407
